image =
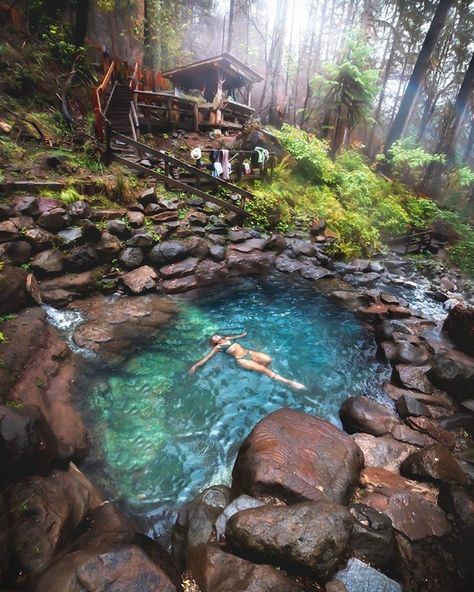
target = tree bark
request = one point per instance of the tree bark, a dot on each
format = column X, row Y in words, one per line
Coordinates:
column 399, row 125
column 230, row 30
column 80, row 26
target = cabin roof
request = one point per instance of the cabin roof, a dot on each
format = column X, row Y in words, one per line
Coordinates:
column 236, row 73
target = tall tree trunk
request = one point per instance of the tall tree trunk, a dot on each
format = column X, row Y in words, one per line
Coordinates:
column 399, row 125
column 230, row 30
column 80, row 26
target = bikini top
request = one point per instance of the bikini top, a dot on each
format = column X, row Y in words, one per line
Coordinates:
column 225, row 346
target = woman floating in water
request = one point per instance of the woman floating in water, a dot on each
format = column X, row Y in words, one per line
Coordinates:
column 246, row 358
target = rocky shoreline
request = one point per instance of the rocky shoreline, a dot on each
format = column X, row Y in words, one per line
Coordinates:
column 386, row 504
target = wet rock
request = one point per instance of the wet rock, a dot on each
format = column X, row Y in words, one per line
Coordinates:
column 248, row 246
column 50, row 261
column 135, row 219
column 410, row 506
column 152, row 208
column 238, row 236
column 360, row 577
column 314, row 273
column 308, row 537
column 44, row 511
column 459, row 325
column 168, row 252
column 16, row 252
column 403, row 433
column 82, row 258
column 27, row 443
column 434, row 462
column 209, row 273
column 131, row 257
column 406, row 350
column 147, row 197
column 255, row 263
column 385, row 330
column 118, row 228
column 89, row 230
column 6, row 211
column 277, row 243
column 144, row 240
column 372, row 535
column 108, row 247
column 438, row 399
column 26, row 205
column 8, row 231
column 198, row 247
column 287, row 265
column 433, row 428
column 216, row 571
column 179, row 269
column 13, row 292
column 217, row 252
column 54, row 220
column 413, row 377
column 410, row 406
column 39, row 238
column 351, row 299
column 178, row 285
column 383, row 451
column 360, row 414
column 243, row 502
column 64, row 289
column 71, row 236
column 374, row 313
column 302, row 247
column 463, row 505
column 46, row 204
column 454, row 372
column 295, row 456
column 140, row 280
column 197, row 218
column 195, row 523
column 80, row 209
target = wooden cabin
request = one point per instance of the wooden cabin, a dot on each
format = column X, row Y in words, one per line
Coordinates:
column 212, row 93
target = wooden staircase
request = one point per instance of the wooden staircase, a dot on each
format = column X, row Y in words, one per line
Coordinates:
column 118, row 113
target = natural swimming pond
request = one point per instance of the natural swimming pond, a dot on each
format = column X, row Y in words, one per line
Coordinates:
column 163, row 435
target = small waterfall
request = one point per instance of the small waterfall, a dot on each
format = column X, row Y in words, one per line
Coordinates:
column 66, row 321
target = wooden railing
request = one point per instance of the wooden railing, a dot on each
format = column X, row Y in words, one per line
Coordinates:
column 98, row 98
column 413, row 242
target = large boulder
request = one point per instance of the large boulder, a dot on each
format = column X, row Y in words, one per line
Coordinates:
column 27, row 443
column 459, row 325
column 217, row 571
column 434, row 462
column 383, row 451
column 16, row 252
column 310, row 537
column 13, row 292
column 209, row 273
column 253, row 263
column 360, row 414
column 243, row 502
column 61, row 290
column 372, row 536
column 48, row 262
column 54, row 220
column 82, row 258
column 131, row 257
column 139, row 280
column 454, row 372
column 296, row 456
column 168, row 252
column 179, row 269
column 43, row 513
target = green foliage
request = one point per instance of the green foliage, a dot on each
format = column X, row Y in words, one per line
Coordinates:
column 69, row 195
column 3, row 337
column 462, row 253
column 408, row 160
column 310, row 153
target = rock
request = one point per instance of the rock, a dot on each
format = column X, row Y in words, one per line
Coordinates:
column 287, row 265
column 164, row 217
column 360, row 414
column 179, row 269
column 194, row 525
column 139, row 280
column 168, row 252
column 433, row 429
column 39, row 238
column 383, row 451
column 197, row 218
column 90, row 231
column 152, row 208
column 198, row 247
column 376, row 267
column 26, row 205
column 372, row 535
column 413, row 377
column 439, row 398
column 144, row 240
column 216, row 571
column 373, row 313
column 217, row 252
column 27, row 443
column 360, row 577
column 108, row 247
column 406, row 350
column 247, row 246
column 454, row 372
column 131, row 257
column 459, row 325
column 13, row 292
column 434, row 462
column 255, row 263
column 411, row 506
column 351, row 299
column 410, row 406
column 296, row 456
column 243, row 502
column 62, row 290
column 313, row 272
column 6, row 211
column 44, row 511
column 238, row 236
column 308, row 537
column 403, row 433
column 80, row 209
column 463, row 505
column 118, row 228
column 54, row 220
column 8, row 231
column 46, row 204
column 209, row 273
column 277, row 243
column 178, row 285
column 302, row 247
column 70, row 236
column 135, row 219
column 16, row 252
column 50, row 261
column 147, row 197
column 82, row 258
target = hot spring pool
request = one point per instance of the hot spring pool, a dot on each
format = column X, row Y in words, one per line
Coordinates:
column 163, row 435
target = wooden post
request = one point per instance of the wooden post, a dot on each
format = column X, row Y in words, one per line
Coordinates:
column 196, row 117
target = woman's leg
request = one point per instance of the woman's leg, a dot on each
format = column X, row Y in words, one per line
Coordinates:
column 255, row 367
column 261, row 358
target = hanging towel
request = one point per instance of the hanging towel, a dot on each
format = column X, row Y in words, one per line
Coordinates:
column 247, row 169
column 214, row 155
column 225, row 164
column 263, row 154
column 217, row 169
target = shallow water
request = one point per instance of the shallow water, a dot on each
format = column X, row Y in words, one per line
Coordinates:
column 164, row 435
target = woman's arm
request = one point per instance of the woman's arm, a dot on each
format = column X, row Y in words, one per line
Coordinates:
column 237, row 336
column 205, row 359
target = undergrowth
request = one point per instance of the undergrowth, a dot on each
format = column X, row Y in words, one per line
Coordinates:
column 362, row 209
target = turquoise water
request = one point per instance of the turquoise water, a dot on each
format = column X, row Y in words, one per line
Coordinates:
column 163, row 435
